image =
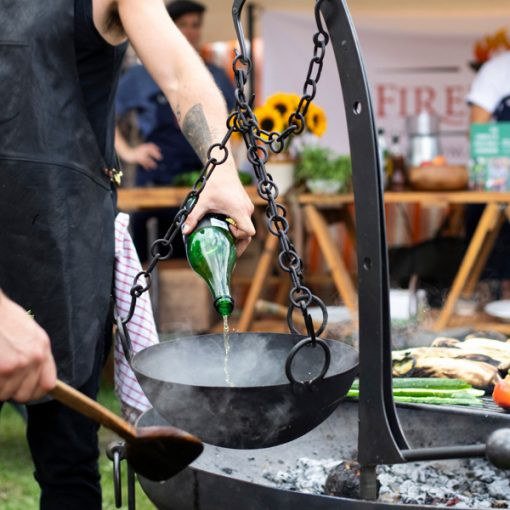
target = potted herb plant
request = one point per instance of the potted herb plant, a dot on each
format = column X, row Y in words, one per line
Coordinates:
column 273, row 116
column 323, row 171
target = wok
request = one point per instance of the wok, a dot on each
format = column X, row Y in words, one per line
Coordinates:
column 184, row 380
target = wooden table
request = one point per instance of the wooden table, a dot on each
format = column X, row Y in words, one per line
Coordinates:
column 497, row 207
column 139, row 199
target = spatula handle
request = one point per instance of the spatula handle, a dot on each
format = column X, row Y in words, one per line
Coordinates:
column 93, row 410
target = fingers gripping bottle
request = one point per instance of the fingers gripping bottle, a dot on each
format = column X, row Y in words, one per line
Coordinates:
column 211, row 254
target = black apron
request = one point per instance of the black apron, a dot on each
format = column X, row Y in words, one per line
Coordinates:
column 56, row 204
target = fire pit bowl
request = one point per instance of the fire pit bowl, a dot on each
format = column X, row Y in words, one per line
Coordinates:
column 224, row 478
column 184, row 379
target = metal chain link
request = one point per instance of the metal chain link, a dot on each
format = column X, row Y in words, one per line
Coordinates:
column 244, row 121
column 162, row 248
column 258, row 143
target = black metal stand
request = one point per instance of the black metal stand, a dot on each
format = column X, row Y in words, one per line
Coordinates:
column 116, row 452
column 381, row 440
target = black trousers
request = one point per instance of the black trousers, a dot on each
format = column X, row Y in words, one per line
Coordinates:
column 64, row 447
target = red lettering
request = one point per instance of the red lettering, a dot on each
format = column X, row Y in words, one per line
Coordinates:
column 423, row 98
column 384, row 98
column 403, row 102
column 455, row 98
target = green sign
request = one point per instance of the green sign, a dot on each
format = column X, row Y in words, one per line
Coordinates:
column 490, row 156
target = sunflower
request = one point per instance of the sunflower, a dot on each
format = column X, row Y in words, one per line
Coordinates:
column 236, row 135
column 282, row 103
column 269, row 118
column 316, row 121
column 295, row 98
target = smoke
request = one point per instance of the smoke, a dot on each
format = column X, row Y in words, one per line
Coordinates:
column 255, row 359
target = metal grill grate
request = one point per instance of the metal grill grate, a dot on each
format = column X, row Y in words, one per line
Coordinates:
column 486, row 404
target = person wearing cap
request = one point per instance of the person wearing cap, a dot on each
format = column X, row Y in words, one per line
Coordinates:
column 59, row 68
column 164, row 151
column 489, row 101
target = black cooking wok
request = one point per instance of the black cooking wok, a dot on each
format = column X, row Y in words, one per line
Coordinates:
column 184, row 380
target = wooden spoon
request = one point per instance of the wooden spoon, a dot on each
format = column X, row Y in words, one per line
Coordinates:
column 157, row 453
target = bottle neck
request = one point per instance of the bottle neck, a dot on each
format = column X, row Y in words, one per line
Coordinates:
column 224, row 305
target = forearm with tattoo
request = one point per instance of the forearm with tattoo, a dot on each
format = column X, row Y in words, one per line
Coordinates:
column 197, row 132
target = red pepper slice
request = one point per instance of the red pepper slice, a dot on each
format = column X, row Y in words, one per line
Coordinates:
column 501, row 393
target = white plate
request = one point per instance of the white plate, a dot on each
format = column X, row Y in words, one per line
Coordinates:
column 499, row 309
column 336, row 314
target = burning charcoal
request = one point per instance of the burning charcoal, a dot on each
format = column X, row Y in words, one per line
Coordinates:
column 500, row 489
column 386, row 480
column 388, row 497
column 452, row 484
column 307, row 476
column 456, row 503
column 343, row 480
column 472, row 483
column 436, row 492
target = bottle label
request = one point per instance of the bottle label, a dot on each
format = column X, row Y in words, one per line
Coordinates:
column 216, row 222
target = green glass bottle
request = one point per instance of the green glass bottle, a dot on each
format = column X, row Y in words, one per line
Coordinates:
column 211, row 253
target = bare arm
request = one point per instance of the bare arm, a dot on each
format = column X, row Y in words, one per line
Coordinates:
column 145, row 154
column 479, row 115
column 195, row 99
column 27, row 369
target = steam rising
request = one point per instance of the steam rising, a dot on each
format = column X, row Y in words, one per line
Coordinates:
column 184, row 379
column 255, row 359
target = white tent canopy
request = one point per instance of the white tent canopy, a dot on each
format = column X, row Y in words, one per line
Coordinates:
column 466, row 17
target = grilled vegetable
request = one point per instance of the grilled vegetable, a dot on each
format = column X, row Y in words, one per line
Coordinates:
column 439, row 401
column 496, row 350
column 429, row 391
column 501, row 393
column 472, row 354
column 424, row 383
column 476, row 373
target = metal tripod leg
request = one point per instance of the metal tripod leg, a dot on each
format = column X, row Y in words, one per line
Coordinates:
column 368, row 483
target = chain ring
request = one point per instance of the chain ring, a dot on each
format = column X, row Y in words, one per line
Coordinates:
column 293, row 352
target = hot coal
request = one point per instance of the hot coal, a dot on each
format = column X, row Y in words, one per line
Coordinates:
column 472, row 483
column 308, row 475
column 343, row 480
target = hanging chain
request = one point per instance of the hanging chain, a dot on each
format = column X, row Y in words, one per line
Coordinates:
column 258, row 143
column 162, row 249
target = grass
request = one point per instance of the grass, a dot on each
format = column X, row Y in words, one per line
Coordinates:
column 18, row 488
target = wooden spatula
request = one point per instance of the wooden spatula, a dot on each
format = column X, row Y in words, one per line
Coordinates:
column 156, row 453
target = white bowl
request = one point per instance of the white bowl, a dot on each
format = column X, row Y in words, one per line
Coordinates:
column 499, row 309
column 323, row 186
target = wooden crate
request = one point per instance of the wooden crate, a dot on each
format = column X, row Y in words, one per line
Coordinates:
column 185, row 303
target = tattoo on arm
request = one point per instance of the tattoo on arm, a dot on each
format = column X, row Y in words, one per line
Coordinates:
column 196, row 130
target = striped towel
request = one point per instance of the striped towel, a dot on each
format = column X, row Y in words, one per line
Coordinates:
column 141, row 328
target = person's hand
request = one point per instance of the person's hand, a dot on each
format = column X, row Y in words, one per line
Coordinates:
column 27, row 368
column 224, row 194
column 146, row 155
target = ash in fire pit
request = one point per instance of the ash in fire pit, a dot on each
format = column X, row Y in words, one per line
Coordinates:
column 471, row 483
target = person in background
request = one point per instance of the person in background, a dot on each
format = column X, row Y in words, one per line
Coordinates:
column 489, row 101
column 164, row 152
column 27, row 367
